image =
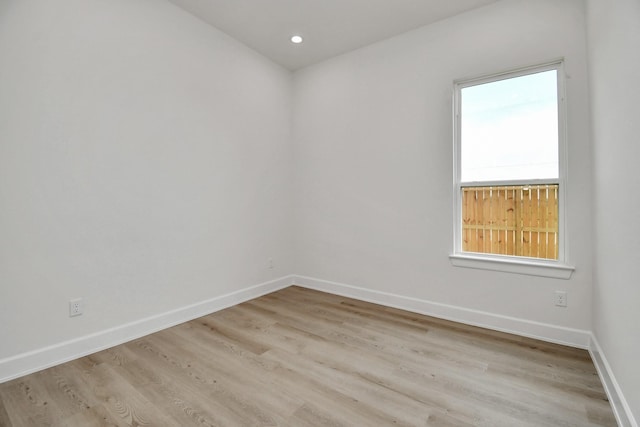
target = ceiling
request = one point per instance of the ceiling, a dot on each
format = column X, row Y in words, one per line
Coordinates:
column 329, row 27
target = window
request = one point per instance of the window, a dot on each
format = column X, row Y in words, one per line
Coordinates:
column 509, row 170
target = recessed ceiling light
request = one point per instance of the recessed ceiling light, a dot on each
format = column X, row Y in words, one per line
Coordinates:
column 296, row 39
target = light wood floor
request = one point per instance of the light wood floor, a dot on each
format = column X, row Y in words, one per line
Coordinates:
column 304, row 358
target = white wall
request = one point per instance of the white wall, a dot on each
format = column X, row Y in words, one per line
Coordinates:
column 614, row 60
column 143, row 166
column 373, row 156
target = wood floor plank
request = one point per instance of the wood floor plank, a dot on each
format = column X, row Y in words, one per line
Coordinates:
column 299, row 357
column 4, row 416
column 124, row 404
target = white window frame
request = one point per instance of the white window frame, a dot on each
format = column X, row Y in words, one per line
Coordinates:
column 508, row 263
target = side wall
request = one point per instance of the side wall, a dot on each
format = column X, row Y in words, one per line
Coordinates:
column 374, row 153
column 144, row 162
column 614, row 56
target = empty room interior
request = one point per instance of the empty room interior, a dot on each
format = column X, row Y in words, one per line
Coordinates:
column 203, row 222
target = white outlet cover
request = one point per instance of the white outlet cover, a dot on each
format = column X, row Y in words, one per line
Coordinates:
column 561, row 298
column 76, row 307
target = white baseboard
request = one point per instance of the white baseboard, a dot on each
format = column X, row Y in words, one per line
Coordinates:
column 542, row 331
column 36, row 360
column 620, row 406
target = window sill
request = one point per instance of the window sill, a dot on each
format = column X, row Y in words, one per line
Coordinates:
column 525, row 266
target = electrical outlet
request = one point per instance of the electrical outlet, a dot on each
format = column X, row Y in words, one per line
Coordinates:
column 270, row 265
column 561, row 298
column 76, row 307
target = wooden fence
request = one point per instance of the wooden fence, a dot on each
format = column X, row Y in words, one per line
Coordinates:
column 511, row 220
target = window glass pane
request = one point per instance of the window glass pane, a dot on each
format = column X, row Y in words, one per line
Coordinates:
column 517, row 220
column 509, row 129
